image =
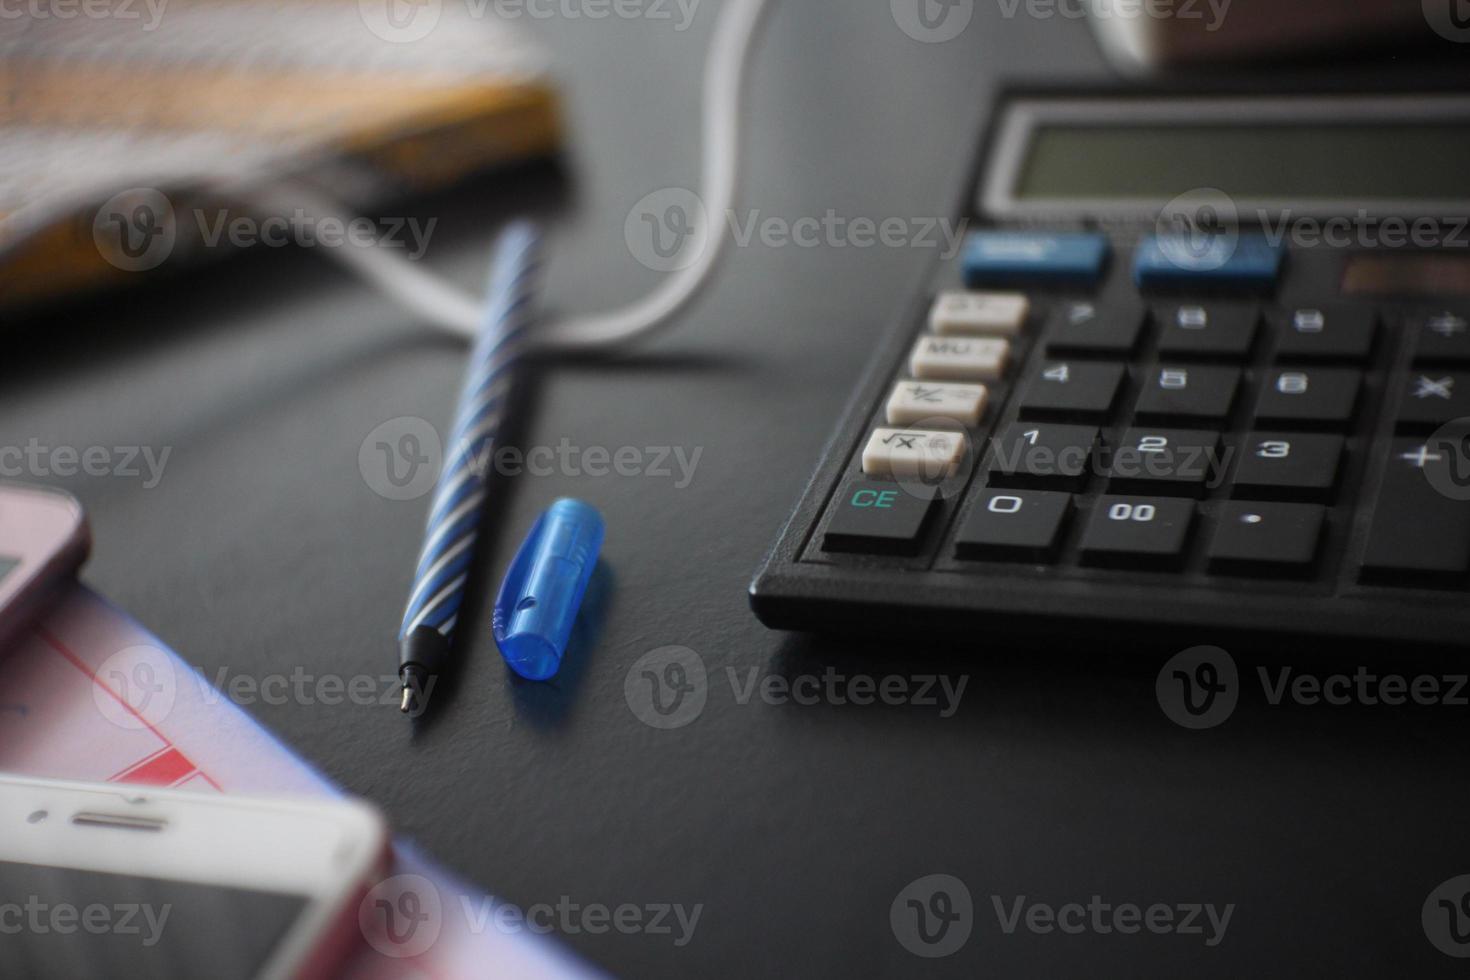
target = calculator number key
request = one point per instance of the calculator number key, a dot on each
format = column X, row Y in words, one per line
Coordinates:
column 1288, row 466
column 1072, row 391
column 1137, row 532
column 1323, row 398
column 1015, row 526
column 1325, row 333
column 1166, row 460
column 1220, row 331
column 1089, row 329
column 1041, row 454
column 1188, row 394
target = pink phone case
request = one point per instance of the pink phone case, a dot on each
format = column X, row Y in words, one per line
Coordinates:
column 45, row 533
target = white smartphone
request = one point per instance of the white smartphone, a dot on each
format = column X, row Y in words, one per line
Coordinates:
column 111, row 881
column 43, row 540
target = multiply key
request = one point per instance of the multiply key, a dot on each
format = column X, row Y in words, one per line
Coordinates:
column 1431, row 398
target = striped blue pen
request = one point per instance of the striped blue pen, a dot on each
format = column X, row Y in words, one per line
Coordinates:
column 444, row 562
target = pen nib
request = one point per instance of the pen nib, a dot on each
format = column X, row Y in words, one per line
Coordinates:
column 417, row 683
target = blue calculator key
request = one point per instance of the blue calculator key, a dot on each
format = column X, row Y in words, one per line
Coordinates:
column 1246, row 262
column 1007, row 257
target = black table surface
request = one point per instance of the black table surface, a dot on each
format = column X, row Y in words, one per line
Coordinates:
column 793, row 826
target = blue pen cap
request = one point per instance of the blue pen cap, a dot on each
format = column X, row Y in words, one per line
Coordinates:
column 544, row 586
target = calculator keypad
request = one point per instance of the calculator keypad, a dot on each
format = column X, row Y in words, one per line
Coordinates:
column 1213, row 437
column 1123, row 443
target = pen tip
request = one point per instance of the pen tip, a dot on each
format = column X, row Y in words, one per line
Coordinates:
column 406, row 702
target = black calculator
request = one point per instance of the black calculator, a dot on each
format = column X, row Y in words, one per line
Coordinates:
column 1203, row 363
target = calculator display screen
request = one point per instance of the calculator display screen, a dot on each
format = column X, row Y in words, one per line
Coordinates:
column 1350, row 163
column 1431, row 274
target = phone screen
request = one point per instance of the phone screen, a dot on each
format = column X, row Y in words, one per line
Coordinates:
column 64, row 923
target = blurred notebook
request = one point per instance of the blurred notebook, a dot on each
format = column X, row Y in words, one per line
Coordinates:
column 119, row 127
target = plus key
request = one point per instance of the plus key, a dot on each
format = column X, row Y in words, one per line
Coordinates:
column 1421, row 521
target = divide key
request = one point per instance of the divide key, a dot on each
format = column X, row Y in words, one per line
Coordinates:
column 1442, row 337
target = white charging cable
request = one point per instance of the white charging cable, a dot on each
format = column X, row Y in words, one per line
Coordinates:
column 460, row 313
